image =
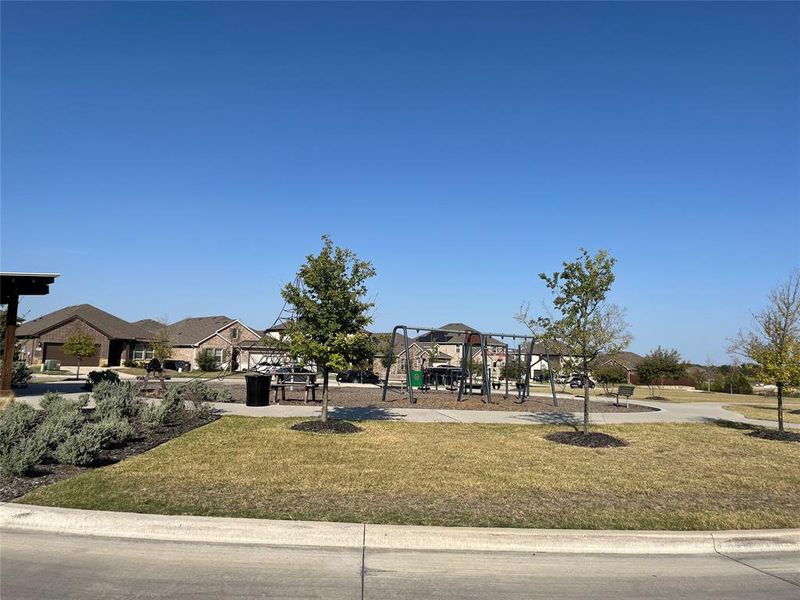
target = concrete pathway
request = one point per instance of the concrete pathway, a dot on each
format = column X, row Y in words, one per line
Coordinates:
column 667, row 412
column 695, row 412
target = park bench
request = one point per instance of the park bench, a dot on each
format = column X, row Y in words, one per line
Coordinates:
column 308, row 383
column 625, row 390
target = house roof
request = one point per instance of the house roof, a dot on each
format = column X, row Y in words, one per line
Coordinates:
column 111, row 326
column 444, row 337
column 629, row 360
column 150, row 325
column 194, row 330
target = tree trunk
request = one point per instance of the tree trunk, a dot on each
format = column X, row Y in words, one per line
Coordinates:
column 78, row 372
column 324, row 415
column 780, row 407
column 585, row 400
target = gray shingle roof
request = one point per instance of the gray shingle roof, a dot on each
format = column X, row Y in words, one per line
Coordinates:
column 195, row 329
column 112, row 326
column 150, row 325
column 454, row 338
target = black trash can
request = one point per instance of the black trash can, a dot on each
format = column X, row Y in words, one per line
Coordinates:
column 257, row 389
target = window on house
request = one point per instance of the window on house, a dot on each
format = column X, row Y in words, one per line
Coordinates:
column 142, row 352
column 235, row 333
column 218, row 354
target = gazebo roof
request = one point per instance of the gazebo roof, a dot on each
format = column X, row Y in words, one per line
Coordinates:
column 24, row 284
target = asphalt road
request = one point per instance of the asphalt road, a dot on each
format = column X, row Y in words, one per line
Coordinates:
column 43, row 566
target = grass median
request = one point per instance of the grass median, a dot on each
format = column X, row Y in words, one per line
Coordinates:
column 669, row 477
column 767, row 412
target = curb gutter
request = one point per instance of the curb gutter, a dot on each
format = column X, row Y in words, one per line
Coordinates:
column 20, row 517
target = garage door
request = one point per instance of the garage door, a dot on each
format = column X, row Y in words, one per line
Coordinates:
column 56, row 352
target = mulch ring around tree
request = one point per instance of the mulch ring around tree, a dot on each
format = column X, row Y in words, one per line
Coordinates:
column 144, row 440
column 775, row 435
column 331, row 426
column 586, row 440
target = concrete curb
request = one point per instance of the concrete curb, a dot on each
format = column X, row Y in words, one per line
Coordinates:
column 20, row 517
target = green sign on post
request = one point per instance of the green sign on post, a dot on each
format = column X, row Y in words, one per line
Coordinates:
column 416, row 379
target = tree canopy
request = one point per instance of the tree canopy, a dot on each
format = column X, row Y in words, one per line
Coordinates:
column 587, row 325
column 332, row 311
column 773, row 341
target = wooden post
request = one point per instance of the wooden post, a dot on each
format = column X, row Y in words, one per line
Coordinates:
column 8, row 346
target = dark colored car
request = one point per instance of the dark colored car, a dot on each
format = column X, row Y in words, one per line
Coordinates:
column 357, row 376
column 297, row 374
column 443, row 375
column 577, row 382
column 174, row 365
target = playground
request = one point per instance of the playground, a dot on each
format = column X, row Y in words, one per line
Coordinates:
column 369, row 396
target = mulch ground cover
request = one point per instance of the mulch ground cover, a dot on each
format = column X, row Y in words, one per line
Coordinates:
column 370, row 397
column 586, row 440
column 331, row 426
column 144, row 440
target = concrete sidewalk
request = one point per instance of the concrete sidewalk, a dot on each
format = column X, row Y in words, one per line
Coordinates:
column 697, row 412
column 667, row 412
column 66, row 521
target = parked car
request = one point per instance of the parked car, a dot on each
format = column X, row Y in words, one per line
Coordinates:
column 297, row 373
column 357, row 376
column 562, row 379
column 265, row 367
column 177, row 365
column 577, row 382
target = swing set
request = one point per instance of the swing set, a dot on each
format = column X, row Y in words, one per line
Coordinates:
column 508, row 344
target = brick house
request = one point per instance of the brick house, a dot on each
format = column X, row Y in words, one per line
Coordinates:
column 225, row 337
column 43, row 338
column 448, row 350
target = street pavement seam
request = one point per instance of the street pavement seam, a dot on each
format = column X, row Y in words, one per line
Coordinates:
column 744, row 564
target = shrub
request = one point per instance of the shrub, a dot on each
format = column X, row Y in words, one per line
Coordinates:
column 22, row 457
column 152, row 416
column 53, row 402
column 96, row 377
column 17, row 422
column 198, row 392
column 117, row 399
column 114, row 431
column 206, row 361
column 81, row 447
column 20, row 374
column 64, row 419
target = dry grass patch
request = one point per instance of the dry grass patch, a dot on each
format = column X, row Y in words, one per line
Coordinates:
column 767, row 412
column 669, row 477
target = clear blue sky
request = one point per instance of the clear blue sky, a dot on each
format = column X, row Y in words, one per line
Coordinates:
column 181, row 159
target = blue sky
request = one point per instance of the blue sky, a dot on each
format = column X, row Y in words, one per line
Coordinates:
column 181, row 159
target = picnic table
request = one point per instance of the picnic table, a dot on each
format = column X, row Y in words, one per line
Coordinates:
column 306, row 381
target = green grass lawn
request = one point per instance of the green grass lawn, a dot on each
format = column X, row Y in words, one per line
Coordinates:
column 669, row 477
column 768, row 412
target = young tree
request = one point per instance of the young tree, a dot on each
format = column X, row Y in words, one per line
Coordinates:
column 773, row 342
column 162, row 349
column 331, row 311
column 588, row 327
column 609, row 374
column 80, row 344
column 658, row 366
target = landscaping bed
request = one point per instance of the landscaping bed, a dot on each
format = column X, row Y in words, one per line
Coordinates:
column 669, row 476
column 370, row 397
column 143, row 440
